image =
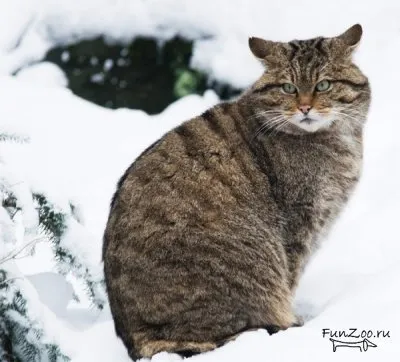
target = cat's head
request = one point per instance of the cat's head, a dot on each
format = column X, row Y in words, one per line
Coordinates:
column 310, row 85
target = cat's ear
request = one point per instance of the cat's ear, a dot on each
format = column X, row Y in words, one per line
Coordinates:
column 352, row 36
column 270, row 53
column 343, row 46
column 260, row 48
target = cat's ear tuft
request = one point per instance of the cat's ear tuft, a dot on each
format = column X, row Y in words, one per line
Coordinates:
column 352, row 36
column 260, row 47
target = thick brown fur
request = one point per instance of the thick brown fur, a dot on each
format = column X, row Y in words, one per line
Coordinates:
column 211, row 227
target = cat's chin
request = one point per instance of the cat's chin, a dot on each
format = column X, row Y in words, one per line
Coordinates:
column 307, row 126
column 312, row 125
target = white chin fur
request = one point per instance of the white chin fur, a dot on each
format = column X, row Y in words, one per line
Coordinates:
column 316, row 124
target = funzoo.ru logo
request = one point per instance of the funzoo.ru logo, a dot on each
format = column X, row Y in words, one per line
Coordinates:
column 363, row 343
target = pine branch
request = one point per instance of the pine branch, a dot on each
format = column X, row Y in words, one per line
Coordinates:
column 12, row 137
column 21, row 337
column 14, row 254
column 53, row 224
column 23, row 333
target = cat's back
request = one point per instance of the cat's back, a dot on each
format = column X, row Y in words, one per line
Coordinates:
column 192, row 174
column 180, row 223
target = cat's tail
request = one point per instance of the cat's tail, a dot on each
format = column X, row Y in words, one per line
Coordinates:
column 147, row 348
column 186, row 349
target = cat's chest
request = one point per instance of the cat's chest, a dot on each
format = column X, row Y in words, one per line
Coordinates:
column 312, row 185
column 317, row 175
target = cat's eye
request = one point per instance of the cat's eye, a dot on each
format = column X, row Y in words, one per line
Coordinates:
column 323, row 85
column 289, row 88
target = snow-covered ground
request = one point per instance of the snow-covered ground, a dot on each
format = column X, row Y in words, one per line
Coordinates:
column 77, row 152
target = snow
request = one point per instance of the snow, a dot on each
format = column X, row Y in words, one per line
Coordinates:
column 45, row 73
column 77, row 152
column 54, row 291
column 220, row 28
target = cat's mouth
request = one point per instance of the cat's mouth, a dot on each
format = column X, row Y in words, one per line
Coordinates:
column 308, row 120
column 311, row 123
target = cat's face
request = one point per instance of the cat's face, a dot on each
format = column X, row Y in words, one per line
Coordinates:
column 310, row 85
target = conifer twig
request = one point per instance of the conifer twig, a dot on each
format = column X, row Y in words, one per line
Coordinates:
column 14, row 254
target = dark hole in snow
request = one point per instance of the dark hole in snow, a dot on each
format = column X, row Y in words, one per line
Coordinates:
column 149, row 76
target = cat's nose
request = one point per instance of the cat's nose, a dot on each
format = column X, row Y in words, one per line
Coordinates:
column 305, row 109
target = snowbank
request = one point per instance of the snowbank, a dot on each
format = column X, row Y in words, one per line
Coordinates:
column 220, row 28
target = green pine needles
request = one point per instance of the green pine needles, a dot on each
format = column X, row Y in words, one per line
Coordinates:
column 25, row 332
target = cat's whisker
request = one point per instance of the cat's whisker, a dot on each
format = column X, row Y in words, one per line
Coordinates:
column 268, row 124
column 280, row 126
column 275, row 122
column 351, row 110
column 264, row 113
column 357, row 120
column 357, row 114
column 351, row 118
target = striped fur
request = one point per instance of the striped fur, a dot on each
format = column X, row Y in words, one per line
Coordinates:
column 304, row 63
column 211, row 227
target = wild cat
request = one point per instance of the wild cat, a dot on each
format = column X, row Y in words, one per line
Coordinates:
column 211, row 227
